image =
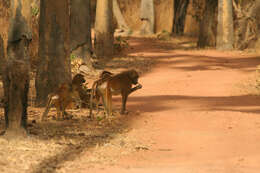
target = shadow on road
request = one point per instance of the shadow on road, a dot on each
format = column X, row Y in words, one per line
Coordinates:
column 174, row 102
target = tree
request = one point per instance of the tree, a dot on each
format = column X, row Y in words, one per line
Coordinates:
column 80, row 31
column 147, row 17
column 207, row 34
column 4, row 23
column 180, row 9
column 246, row 24
column 54, row 48
column 122, row 26
column 17, row 67
column 104, row 34
column 225, row 37
column 257, row 8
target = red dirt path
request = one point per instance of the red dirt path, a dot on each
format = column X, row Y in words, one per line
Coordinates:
column 194, row 117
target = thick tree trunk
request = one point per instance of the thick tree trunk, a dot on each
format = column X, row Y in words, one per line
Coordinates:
column 208, row 31
column 180, row 9
column 2, row 55
column 104, row 34
column 80, row 31
column 17, row 68
column 54, row 48
column 147, row 17
column 5, row 13
column 119, row 17
column 257, row 44
column 225, row 34
column 247, row 24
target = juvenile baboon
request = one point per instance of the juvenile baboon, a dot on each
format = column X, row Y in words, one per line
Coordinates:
column 117, row 84
column 65, row 96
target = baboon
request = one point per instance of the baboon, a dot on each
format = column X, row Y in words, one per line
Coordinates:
column 117, row 84
column 95, row 95
column 85, row 93
column 65, row 96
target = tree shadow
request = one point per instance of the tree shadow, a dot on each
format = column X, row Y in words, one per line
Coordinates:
column 69, row 130
column 168, row 53
column 158, row 103
column 203, row 62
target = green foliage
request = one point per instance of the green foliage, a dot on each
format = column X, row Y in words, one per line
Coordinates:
column 130, row 32
column 35, row 11
column 120, row 43
column 164, row 35
column 99, row 118
column 72, row 56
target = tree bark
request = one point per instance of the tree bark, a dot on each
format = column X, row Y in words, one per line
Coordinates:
column 17, row 68
column 119, row 17
column 104, row 34
column 5, row 13
column 208, row 32
column 247, row 24
column 80, row 31
column 180, row 9
column 225, row 33
column 257, row 44
column 54, row 48
column 147, row 17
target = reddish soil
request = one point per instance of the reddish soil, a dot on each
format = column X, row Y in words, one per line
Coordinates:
column 196, row 113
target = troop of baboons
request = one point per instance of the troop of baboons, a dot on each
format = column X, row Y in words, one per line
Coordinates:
column 108, row 84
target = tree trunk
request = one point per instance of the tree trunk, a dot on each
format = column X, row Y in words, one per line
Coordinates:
column 246, row 24
column 208, row 31
column 257, row 44
column 104, row 36
column 225, row 34
column 17, row 68
column 119, row 17
column 5, row 13
column 54, row 48
column 180, row 9
column 147, row 17
column 80, row 31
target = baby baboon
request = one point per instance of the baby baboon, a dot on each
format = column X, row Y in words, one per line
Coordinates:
column 65, row 96
column 117, row 84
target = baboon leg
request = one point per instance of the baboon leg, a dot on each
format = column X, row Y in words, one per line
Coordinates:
column 47, row 109
column 60, row 113
column 91, row 103
column 109, row 103
column 63, row 112
column 97, row 104
column 107, row 99
column 124, row 99
column 104, row 103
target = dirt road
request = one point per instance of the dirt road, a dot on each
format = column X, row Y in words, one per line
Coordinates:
column 197, row 112
column 194, row 115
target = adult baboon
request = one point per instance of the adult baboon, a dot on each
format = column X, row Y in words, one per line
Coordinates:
column 113, row 85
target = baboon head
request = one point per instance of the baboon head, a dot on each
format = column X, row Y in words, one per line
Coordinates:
column 78, row 80
column 133, row 75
